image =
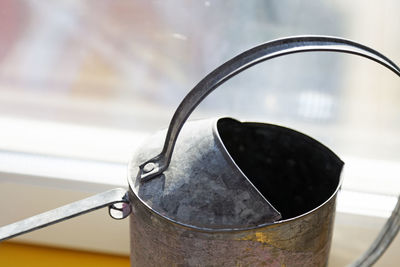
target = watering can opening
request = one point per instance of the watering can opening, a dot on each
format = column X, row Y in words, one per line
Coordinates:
column 226, row 174
column 294, row 172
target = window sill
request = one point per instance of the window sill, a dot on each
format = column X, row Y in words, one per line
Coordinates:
column 38, row 181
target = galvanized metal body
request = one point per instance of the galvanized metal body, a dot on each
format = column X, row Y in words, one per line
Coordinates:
column 183, row 218
column 302, row 241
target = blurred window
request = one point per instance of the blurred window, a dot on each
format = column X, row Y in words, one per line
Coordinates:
column 124, row 66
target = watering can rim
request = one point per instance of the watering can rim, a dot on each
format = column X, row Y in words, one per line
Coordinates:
column 132, row 170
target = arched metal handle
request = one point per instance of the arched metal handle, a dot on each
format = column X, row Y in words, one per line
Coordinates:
column 155, row 166
column 382, row 241
column 247, row 59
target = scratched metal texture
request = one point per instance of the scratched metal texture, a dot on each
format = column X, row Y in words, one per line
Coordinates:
column 202, row 187
column 302, row 241
column 204, row 212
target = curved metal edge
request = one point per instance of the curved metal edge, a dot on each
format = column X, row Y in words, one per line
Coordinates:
column 251, row 57
column 233, row 164
column 190, row 227
column 66, row 212
column 333, row 154
column 382, row 241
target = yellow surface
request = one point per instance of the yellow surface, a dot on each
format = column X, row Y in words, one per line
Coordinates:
column 18, row 254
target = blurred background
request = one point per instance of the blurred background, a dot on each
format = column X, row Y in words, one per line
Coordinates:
column 127, row 65
column 86, row 80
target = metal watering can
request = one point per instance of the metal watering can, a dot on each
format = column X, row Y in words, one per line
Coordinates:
column 230, row 193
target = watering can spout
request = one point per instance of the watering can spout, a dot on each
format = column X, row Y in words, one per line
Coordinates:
column 112, row 198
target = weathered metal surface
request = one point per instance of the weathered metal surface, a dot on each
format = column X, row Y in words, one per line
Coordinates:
column 302, row 241
column 202, row 187
column 195, row 214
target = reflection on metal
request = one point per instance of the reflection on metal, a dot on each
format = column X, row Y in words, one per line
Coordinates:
column 77, row 208
column 120, row 210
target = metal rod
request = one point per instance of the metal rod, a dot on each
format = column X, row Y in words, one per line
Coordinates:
column 382, row 241
column 66, row 212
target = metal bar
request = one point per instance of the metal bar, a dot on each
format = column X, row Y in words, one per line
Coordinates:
column 66, row 212
column 382, row 241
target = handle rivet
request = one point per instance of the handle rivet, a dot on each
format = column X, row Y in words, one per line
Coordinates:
column 149, row 167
